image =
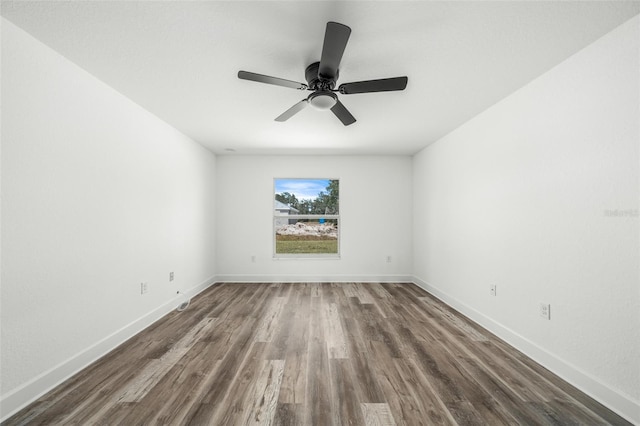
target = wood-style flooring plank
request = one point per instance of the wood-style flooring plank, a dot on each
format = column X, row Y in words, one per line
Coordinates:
column 377, row 415
column 317, row 401
column 408, row 392
column 269, row 324
column 336, row 343
column 157, row 368
column 347, row 406
column 315, row 354
column 288, row 415
column 261, row 404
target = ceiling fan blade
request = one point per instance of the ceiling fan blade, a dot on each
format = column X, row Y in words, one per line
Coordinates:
column 293, row 110
column 342, row 113
column 260, row 78
column 381, row 85
column 335, row 41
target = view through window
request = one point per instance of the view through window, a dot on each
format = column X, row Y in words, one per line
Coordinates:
column 306, row 217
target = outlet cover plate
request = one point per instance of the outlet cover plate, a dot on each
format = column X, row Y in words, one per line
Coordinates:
column 545, row 311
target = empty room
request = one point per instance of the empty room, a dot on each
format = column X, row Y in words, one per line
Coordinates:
column 320, row 213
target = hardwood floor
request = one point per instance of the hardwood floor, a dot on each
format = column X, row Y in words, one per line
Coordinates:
column 315, row 354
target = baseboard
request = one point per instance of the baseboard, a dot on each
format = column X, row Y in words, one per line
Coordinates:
column 232, row 278
column 616, row 401
column 20, row 397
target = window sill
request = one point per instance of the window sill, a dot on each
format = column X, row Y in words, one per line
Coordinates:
column 307, row 257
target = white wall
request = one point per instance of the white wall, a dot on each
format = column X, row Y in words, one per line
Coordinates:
column 375, row 216
column 520, row 197
column 98, row 195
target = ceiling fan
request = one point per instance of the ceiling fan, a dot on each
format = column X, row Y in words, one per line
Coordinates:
column 322, row 76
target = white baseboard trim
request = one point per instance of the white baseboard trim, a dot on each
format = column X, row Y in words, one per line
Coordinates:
column 15, row 400
column 616, row 401
column 232, row 278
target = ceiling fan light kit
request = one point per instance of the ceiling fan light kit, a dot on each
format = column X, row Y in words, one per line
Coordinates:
column 322, row 100
column 322, row 77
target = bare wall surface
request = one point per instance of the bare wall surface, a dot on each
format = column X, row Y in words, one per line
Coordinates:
column 375, row 210
column 98, row 195
column 539, row 196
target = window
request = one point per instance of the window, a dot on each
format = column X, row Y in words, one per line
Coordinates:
column 306, row 218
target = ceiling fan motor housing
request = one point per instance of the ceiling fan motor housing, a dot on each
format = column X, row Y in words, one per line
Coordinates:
column 318, row 82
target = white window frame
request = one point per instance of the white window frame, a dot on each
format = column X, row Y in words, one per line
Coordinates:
column 280, row 256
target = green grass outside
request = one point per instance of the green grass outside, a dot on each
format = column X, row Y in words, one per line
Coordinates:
column 302, row 246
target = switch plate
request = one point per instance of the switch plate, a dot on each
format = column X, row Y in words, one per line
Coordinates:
column 144, row 288
column 493, row 290
column 170, row 276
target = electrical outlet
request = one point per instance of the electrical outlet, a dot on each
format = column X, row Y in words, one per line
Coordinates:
column 388, row 259
column 493, row 290
column 170, row 276
column 545, row 310
column 144, row 288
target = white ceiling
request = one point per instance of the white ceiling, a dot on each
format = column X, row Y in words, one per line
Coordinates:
column 179, row 60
